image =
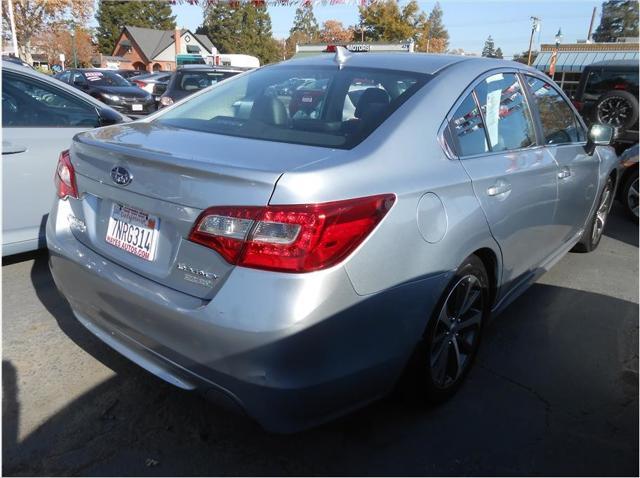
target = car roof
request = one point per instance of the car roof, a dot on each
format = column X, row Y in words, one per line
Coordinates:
column 10, row 66
column 416, row 62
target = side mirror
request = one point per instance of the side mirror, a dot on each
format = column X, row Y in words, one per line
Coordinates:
column 599, row 135
column 107, row 116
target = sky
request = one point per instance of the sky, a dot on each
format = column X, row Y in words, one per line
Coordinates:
column 469, row 22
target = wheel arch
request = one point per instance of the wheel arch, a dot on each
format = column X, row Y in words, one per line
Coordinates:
column 490, row 261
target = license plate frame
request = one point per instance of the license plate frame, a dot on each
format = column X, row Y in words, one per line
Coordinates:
column 133, row 230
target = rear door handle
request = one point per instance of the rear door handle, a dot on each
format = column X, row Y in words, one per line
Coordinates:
column 564, row 173
column 499, row 188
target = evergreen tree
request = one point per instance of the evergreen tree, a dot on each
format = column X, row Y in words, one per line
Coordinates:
column 499, row 53
column 619, row 19
column 241, row 28
column 305, row 22
column 113, row 16
column 437, row 32
column 489, row 49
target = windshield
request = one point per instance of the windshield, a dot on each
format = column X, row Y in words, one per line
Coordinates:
column 198, row 80
column 104, row 78
column 319, row 106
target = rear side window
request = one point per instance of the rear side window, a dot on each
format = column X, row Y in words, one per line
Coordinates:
column 559, row 123
column 507, row 118
column 317, row 106
column 467, row 129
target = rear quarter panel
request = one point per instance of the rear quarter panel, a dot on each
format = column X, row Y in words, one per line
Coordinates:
column 403, row 156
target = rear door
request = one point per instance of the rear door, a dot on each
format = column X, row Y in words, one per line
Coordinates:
column 512, row 177
column 38, row 122
column 565, row 137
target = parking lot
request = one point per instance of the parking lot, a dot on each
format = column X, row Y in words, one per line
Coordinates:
column 555, row 391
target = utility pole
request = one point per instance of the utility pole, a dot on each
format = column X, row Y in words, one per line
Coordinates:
column 593, row 18
column 12, row 22
column 535, row 25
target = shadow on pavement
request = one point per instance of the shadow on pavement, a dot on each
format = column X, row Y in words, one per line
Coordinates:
column 555, row 391
column 621, row 227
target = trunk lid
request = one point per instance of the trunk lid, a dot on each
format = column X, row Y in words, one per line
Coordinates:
column 174, row 175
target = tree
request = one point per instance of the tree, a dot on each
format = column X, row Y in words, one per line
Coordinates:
column 499, row 53
column 619, row 19
column 33, row 17
column 384, row 20
column 60, row 40
column 489, row 49
column 305, row 22
column 522, row 57
column 433, row 36
column 114, row 15
column 240, row 27
column 290, row 43
column 333, row 32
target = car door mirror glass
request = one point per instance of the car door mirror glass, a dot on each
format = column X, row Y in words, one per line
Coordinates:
column 599, row 135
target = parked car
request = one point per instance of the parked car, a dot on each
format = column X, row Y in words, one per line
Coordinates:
column 608, row 94
column 296, row 267
column 40, row 115
column 628, row 192
column 188, row 79
column 154, row 83
column 111, row 89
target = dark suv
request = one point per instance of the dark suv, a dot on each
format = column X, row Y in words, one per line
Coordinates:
column 608, row 94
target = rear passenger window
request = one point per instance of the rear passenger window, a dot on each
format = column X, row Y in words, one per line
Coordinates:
column 507, row 118
column 467, row 129
column 559, row 123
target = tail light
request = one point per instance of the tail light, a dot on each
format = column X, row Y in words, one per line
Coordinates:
column 140, row 83
column 65, row 177
column 577, row 104
column 296, row 238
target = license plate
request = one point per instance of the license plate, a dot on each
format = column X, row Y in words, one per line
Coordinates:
column 133, row 230
column 136, row 107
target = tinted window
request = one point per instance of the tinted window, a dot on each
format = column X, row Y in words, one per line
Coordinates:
column 507, row 118
column 30, row 103
column 467, row 129
column 271, row 104
column 198, row 80
column 559, row 124
column 601, row 81
column 64, row 77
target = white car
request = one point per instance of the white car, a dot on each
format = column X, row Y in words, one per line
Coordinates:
column 40, row 116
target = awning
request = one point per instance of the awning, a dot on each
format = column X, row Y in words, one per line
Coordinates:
column 575, row 61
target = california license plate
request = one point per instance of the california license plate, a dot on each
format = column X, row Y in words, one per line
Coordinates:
column 136, row 107
column 134, row 231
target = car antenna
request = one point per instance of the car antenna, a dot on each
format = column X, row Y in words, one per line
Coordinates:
column 342, row 55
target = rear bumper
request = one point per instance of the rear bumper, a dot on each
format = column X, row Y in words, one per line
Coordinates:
column 292, row 351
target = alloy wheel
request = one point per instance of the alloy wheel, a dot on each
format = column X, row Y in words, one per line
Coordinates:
column 602, row 213
column 632, row 198
column 457, row 331
column 614, row 111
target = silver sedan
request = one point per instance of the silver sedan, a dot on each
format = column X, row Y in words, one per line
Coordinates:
column 293, row 251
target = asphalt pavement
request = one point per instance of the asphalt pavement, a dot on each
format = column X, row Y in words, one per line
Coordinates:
column 554, row 392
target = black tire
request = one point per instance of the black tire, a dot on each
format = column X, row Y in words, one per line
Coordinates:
column 466, row 336
column 591, row 236
column 629, row 195
column 618, row 109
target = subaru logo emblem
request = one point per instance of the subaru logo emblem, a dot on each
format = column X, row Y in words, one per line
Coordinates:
column 121, row 176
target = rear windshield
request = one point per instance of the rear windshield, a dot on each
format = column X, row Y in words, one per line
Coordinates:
column 600, row 82
column 320, row 106
column 198, row 80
